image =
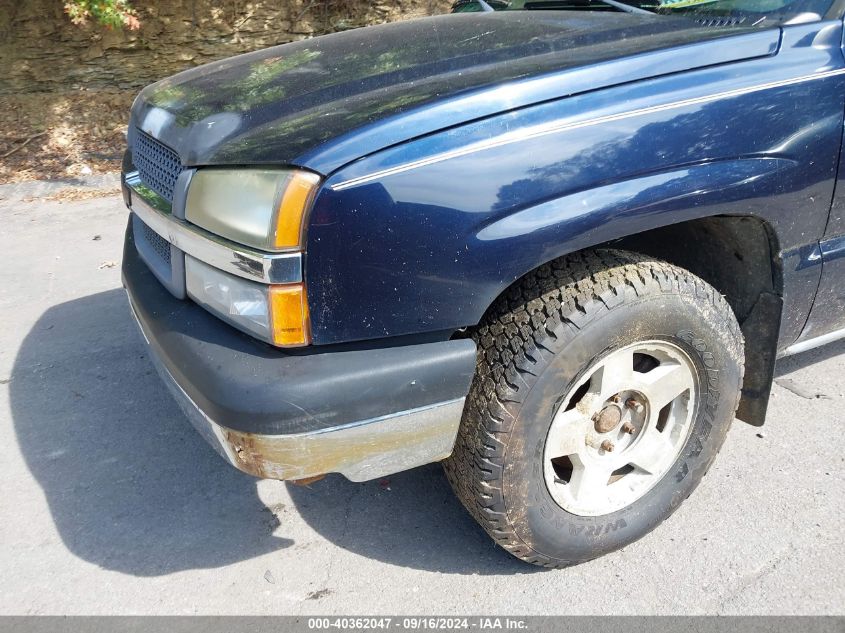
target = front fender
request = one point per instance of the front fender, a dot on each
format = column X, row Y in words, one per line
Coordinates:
column 424, row 236
column 448, row 273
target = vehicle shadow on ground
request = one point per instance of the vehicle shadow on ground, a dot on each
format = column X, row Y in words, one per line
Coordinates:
column 132, row 487
column 129, row 485
column 410, row 519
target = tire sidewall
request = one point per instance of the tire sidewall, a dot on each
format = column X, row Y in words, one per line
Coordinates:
column 703, row 334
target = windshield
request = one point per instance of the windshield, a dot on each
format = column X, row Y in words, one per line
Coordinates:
column 709, row 12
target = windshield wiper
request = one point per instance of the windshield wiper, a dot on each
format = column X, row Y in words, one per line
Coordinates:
column 558, row 4
column 616, row 4
column 627, row 8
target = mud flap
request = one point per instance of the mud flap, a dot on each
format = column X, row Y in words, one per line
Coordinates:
column 761, row 330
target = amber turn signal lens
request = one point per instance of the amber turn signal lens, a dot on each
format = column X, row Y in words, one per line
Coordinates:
column 289, row 315
column 296, row 199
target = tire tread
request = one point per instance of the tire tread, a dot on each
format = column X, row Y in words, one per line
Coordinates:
column 518, row 336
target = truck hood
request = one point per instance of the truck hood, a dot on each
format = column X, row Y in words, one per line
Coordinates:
column 323, row 102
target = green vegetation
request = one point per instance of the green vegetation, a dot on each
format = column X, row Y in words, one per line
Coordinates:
column 110, row 13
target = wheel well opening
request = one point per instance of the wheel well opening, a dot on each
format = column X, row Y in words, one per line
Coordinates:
column 735, row 255
column 738, row 256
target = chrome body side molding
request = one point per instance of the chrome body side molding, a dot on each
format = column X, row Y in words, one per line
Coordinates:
column 554, row 128
column 813, row 343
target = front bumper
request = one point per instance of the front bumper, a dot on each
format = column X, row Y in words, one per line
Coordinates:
column 364, row 413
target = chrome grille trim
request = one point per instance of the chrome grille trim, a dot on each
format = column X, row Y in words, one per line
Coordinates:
column 268, row 268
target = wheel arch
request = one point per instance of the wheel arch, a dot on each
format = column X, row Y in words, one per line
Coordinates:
column 739, row 256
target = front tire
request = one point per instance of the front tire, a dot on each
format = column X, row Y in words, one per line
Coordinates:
column 597, row 373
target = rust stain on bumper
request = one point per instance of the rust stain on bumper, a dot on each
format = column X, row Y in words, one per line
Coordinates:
column 363, row 451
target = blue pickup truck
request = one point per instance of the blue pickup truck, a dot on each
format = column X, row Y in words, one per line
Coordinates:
column 558, row 246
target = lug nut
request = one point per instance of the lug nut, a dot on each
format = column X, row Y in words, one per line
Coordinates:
column 636, row 405
column 629, row 428
column 606, row 445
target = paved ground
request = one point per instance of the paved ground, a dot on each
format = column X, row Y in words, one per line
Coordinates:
column 112, row 504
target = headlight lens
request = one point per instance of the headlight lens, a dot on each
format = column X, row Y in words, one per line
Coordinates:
column 277, row 314
column 263, row 208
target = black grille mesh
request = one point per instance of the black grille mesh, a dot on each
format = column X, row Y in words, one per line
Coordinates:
column 157, row 165
column 160, row 245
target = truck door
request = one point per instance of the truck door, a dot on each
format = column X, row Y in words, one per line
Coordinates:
column 827, row 317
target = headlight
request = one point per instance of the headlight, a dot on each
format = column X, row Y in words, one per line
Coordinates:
column 263, row 208
column 277, row 314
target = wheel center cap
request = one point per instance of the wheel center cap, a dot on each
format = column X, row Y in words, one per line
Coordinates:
column 608, row 418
